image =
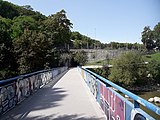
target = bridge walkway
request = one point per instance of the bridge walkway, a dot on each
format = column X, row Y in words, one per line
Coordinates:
column 68, row 98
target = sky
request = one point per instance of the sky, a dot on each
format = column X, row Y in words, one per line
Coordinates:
column 104, row 20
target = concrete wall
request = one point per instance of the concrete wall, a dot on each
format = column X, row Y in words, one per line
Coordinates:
column 100, row 54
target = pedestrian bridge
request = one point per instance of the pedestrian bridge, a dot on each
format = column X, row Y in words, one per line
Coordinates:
column 75, row 94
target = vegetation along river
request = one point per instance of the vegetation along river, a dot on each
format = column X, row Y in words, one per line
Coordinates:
column 146, row 96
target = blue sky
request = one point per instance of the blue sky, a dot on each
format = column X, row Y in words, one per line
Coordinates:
column 104, row 20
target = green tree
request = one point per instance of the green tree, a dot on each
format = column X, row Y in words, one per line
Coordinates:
column 104, row 71
column 27, row 7
column 32, row 50
column 157, row 35
column 154, row 71
column 77, row 44
column 148, row 38
column 22, row 23
column 83, row 42
column 57, row 26
column 65, row 59
column 80, row 57
column 8, row 10
column 6, row 50
column 128, row 70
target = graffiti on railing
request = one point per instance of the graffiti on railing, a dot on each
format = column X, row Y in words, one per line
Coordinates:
column 92, row 83
column 7, row 97
column 115, row 106
column 19, row 89
column 111, row 103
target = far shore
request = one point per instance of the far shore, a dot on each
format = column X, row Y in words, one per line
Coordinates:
column 146, row 88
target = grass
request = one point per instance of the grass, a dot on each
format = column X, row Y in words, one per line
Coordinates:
column 155, row 56
column 147, row 58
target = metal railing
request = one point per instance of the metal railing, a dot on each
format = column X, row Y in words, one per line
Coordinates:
column 14, row 90
column 110, row 100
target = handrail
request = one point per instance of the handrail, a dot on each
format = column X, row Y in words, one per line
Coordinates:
column 14, row 90
column 136, row 98
column 6, row 81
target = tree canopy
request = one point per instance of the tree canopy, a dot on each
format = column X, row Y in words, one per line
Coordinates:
column 128, row 69
column 29, row 40
column 151, row 38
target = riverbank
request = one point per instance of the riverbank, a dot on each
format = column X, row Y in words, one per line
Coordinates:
column 145, row 88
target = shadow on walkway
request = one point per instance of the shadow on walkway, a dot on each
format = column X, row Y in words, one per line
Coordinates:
column 65, row 117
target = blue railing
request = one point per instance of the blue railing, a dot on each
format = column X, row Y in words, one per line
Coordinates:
column 110, row 100
column 14, row 90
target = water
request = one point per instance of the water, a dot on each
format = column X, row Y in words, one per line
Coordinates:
column 146, row 96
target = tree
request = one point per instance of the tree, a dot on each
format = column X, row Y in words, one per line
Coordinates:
column 65, row 59
column 27, row 7
column 148, row 38
column 22, row 23
column 6, row 50
column 80, row 57
column 157, row 35
column 32, row 50
column 77, row 44
column 8, row 10
column 57, row 26
column 29, row 40
column 154, row 71
column 128, row 70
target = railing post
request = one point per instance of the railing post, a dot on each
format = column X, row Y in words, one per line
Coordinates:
column 136, row 104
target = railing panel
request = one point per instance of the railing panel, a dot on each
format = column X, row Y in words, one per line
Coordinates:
column 7, row 97
column 13, row 91
column 114, row 105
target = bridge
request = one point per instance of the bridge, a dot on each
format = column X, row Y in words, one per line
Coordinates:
column 74, row 94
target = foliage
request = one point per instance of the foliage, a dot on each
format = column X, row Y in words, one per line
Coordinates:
column 57, row 26
column 22, row 23
column 154, row 71
column 157, row 35
column 151, row 38
column 6, row 53
column 128, row 70
column 80, row 57
column 147, row 38
column 29, row 40
column 154, row 56
column 83, row 42
column 65, row 59
column 104, row 71
column 31, row 50
column 9, row 10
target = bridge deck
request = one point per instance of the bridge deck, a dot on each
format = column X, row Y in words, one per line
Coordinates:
column 68, row 99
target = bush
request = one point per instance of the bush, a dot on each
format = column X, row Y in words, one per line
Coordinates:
column 154, row 71
column 129, row 70
column 104, row 71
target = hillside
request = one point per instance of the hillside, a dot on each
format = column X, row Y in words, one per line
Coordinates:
column 9, row 10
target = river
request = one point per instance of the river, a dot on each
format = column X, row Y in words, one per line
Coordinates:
column 146, row 96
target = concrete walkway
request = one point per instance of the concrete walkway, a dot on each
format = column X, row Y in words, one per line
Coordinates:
column 68, row 99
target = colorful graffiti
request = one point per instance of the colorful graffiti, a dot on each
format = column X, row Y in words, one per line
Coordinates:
column 115, row 106
column 112, row 105
column 16, row 91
